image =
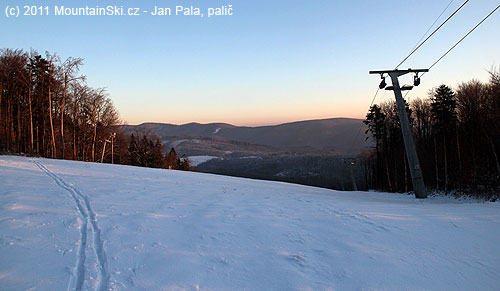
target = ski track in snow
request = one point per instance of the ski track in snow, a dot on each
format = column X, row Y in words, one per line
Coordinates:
column 87, row 215
column 176, row 230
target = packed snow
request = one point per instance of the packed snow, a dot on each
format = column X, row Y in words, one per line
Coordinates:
column 197, row 160
column 178, row 142
column 251, row 157
column 88, row 226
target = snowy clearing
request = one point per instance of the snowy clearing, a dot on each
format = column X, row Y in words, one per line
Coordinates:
column 196, row 160
column 82, row 226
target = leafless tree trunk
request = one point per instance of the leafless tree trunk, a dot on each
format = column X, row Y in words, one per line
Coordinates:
column 396, row 176
column 112, row 149
column 458, row 151
column 74, row 144
column 388, row 176
column 31, row 119
column 494, row 153
column 75, row 122
column 436, row 163
column 103, row 151
column 445, row 166
column 37, row 142
column 10, row 119
column 44, row 143
column 96, row 117
column 1, row 89
column 70, row 66
column 93, row 144
column 63, row 101
column 406, row 172
column 18, row 124
column 52, row 126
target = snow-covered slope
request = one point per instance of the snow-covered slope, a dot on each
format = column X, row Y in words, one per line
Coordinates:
column 71, row 225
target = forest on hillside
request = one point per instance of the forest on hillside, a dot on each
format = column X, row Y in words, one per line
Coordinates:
column 457, row 135
column 47, row 109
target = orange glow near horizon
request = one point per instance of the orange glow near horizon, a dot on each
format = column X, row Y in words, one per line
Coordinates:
column 242, row 118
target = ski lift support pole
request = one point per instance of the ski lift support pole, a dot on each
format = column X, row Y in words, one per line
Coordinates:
column 411, row 152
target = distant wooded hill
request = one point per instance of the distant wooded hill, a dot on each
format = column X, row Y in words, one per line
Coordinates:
column 333, row 136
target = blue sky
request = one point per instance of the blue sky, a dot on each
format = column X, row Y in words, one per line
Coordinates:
column 268, row 63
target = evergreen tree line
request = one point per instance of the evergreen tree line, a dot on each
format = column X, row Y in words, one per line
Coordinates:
column 48, row 110
column 147, row 152
column 457, row 135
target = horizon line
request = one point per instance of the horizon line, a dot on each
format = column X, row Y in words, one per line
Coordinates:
column 239, row 125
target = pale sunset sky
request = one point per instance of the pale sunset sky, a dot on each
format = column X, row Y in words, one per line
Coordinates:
column 270, row 62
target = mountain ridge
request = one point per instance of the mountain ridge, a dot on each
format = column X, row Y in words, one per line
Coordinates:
column 245, row 126
column 341, row 135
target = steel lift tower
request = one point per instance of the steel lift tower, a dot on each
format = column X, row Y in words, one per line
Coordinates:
column 411, row 152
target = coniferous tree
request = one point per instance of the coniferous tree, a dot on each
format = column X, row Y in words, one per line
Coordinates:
column 146, row 152
column 156, row 153
column 375, row 120
column 457, row 137
column 183, row 163
column 133, row 151
column 171, row 160
column 443, row 104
